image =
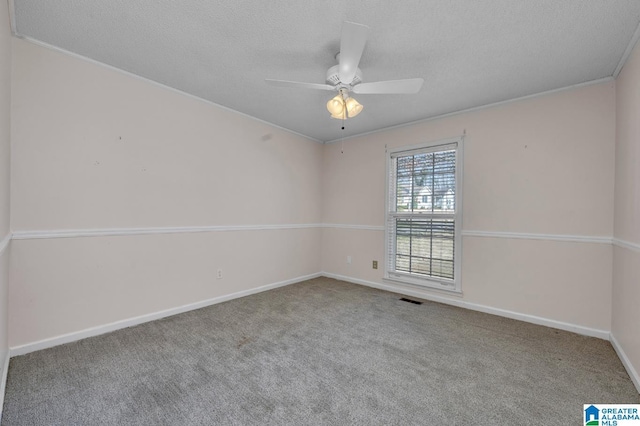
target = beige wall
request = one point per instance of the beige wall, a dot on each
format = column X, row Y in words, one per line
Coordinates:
column 626, row 266
column 68, row 285
column 542, row 166
column 5, row 128
column 97, row 149
column 5, row 117
column 94, row 148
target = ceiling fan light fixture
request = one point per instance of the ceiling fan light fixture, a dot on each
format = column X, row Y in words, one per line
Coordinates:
column 346, row 77
column 336, row 106
column 342, row 106
column 353, row 107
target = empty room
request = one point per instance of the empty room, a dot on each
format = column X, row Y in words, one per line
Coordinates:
column 319, row 212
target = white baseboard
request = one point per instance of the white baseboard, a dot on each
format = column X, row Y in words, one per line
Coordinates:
column 117, row 325
column 3, row 380
column 635, row 378
column 95, row 331
column 601, row 334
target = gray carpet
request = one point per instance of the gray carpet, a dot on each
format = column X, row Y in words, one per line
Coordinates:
column 314, row 353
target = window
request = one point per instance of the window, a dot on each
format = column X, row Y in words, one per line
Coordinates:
column 424, row 215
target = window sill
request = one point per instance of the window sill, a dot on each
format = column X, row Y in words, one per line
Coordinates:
column 425, row 285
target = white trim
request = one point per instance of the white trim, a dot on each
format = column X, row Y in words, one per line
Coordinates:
column 384, row 129
column 587, row 331
column 12, row 24
column 95, row 331
column 4, row 243
column 3, row 380
column 626, row 244
column 477, row 108
column 627, row 51
column 547, row 237
column 117, row 325
column 347, row 226
column 157, row 84
column 455, row 143
column 425, row 284
column 633, row 374
column 108, row 232
column 512, row 235
column 427, row 147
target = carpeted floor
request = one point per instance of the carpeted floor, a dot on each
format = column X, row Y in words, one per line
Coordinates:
column 321, row 352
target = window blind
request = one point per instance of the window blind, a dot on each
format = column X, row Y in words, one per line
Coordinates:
column 421, row 221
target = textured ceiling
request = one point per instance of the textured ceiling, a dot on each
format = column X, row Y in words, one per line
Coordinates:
column 470, row 53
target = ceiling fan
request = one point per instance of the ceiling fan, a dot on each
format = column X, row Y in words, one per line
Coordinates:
column 346, row 77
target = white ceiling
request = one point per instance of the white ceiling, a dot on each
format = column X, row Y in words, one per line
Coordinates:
column 469, row 52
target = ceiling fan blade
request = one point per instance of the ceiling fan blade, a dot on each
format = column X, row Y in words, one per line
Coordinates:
column 299, row 85
column 409, row 86
column 354, row 37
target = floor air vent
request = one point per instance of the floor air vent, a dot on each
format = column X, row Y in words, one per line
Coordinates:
column 415, row 302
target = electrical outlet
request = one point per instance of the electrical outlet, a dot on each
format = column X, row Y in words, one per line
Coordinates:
column 348, row 260
column 375, row 264
column 219, row 276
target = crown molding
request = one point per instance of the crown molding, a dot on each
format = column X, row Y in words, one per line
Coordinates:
column 477, row 108
column 160, row 85
column 12, row 17
column 627, row 51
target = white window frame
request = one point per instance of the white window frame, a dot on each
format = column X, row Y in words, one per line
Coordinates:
column 413, row 279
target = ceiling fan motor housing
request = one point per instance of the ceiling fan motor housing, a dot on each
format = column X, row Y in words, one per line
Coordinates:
column 333, row 77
